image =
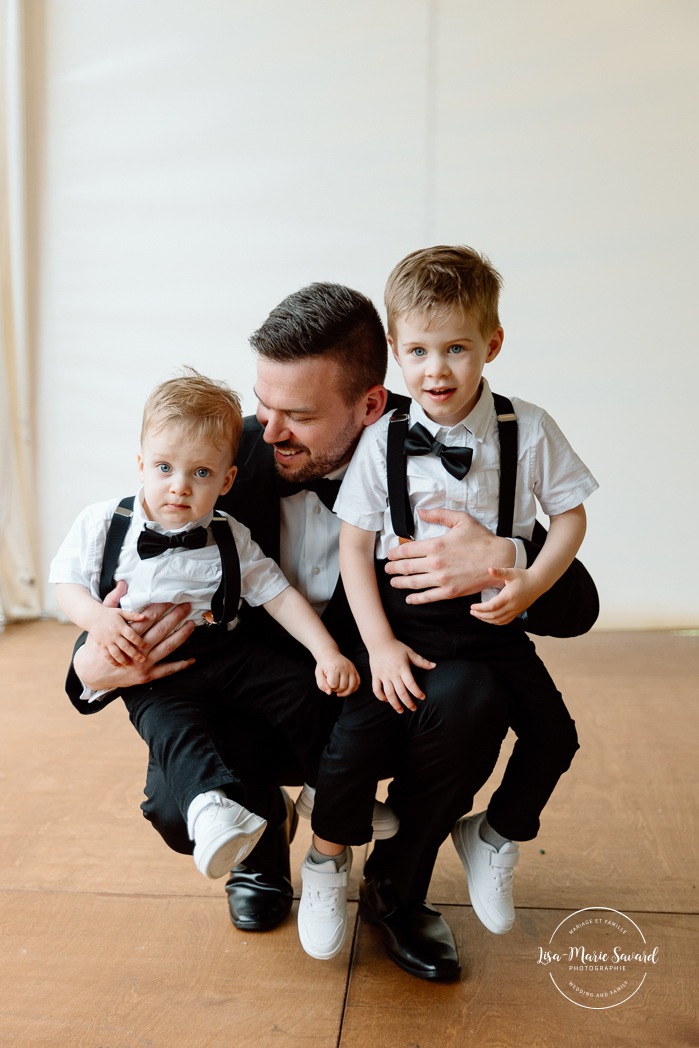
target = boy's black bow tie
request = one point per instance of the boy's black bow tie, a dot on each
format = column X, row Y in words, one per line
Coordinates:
column 153, row 543
column 456, row 461
column 325, row 489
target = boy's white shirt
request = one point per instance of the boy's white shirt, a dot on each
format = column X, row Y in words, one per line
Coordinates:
column 174, row 576
column 548, row 473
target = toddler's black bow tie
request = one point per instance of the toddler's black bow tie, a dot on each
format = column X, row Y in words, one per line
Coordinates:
column 456, row 461
column 325, row 489
column 153, row 543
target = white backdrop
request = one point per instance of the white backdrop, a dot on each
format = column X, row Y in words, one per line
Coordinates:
column 193, row 161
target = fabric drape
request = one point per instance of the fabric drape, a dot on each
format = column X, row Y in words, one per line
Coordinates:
column 19, row 589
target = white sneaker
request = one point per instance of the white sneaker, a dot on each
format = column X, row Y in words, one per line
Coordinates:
column 489, row 873
column 384, row 822
column 322, row 917
column 223, row 833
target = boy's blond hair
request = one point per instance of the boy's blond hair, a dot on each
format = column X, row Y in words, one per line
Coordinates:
column 431, row 282
column 200, row 406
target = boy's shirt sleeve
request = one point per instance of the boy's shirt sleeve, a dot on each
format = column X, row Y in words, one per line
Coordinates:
column 558, row 477
column 261, row 578
column 363, row 496
column 79, row 557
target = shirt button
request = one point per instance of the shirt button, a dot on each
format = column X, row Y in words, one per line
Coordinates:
column 316, row 571
column 316, row 509
column 456, row 505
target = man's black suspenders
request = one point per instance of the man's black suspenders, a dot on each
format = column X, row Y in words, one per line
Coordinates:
column 224, row 605
column 401, row 513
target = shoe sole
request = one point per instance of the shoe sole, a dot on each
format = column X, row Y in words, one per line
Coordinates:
column 448, row 975
column 217, row 860
column 323, row 956
column 302, row 807
column 378, row 833
column 478, row 907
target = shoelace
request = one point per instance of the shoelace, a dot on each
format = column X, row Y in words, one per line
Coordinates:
column 323, row 901
column 503, row 876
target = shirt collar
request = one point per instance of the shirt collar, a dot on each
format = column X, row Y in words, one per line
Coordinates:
column 140, row 518
column 477, row 422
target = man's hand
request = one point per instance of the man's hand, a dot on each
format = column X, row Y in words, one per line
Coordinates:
column 96, row 671
column 454, row 565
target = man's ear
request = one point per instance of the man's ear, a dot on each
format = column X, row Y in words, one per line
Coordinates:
column 228, row 480
column 495, row 344
column 375, row 404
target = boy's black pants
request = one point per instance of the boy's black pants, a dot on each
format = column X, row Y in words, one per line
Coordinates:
column 486, row 678
column 179, row 718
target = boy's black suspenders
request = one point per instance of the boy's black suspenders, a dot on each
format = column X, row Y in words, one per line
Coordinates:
column 507, row 432
column 224, row 605
column 401, row 513
column 118, row 527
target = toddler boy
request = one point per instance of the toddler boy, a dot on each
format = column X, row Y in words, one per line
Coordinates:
column 171, row 546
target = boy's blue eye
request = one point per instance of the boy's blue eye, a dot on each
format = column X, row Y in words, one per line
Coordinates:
column 163, row 467
column 419, row 351
column 202, row 473
column 456, row 349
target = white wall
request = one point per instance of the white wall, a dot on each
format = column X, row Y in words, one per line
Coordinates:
column 195, row 161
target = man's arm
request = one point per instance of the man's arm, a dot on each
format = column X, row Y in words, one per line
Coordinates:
column 91, row 667
column 456, row 564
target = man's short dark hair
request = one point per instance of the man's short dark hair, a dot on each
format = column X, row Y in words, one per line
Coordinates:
column 328, row 320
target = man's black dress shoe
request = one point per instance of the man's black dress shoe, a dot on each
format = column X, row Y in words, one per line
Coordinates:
column 258, row 901
column 260, row 893
column 416, row 938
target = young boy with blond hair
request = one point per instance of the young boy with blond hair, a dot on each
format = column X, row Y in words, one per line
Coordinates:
column 168, row 545
column 444, row 327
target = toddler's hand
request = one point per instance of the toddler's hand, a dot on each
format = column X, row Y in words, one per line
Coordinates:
column 335, row 673
column 112, row 631
column 516, row 595
column 392, row 679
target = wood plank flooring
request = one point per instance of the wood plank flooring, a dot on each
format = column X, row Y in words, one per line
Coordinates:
column 109, row 940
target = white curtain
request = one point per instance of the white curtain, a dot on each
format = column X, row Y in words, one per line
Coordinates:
column 19, row 589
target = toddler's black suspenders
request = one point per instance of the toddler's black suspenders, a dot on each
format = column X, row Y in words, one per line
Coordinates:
column 401, row 513
column 224, row 605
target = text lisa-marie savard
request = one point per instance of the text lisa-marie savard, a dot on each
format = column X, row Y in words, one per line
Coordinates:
column 617, row 958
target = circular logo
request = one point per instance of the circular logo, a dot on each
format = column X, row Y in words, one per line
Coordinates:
column 598, row 958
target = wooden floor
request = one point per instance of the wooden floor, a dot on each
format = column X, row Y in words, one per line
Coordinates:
column 109, row 940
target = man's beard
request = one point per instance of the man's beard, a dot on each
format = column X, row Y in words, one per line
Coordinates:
column 334, row 456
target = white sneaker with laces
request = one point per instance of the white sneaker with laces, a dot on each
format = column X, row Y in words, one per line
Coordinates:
column 223, row 833
column 489, row 873
column 322, row 917
column 385, row 822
